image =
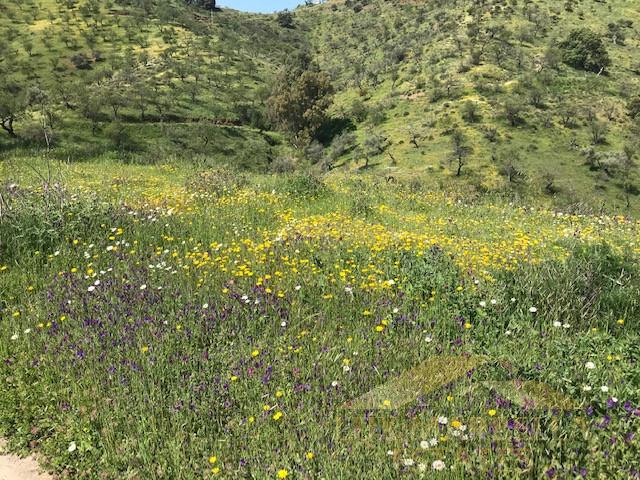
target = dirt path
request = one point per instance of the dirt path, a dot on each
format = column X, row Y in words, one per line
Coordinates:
column 16, row 468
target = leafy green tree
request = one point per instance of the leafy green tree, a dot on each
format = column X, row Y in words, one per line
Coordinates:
column 13, row 104
column 513, row 109
column 90, row 106
column 510, row 161
column 373, row 146
column 584, row 49
column 298, row 106
column 314, row 152
column 120, row 137
column 470, row 112
column 628, row 166
column 40, row 101
column 634, row 107
column 568, row 113
column 340, row 145
column 414, row 136
column 460, row 149
column 552, row 57
column 599, row 130
column 536, row 94
column 285, row 19
column 208, row 4
column 615, row 31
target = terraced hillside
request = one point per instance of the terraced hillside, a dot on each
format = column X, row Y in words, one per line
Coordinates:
column 141, row 81
column 416, row 72
column 434, row 90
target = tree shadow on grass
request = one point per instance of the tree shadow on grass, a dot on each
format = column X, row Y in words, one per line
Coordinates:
column 334, row 127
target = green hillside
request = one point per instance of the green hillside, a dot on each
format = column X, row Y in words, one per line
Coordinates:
column 154, row 80
column 410, row 70
column 142, row 81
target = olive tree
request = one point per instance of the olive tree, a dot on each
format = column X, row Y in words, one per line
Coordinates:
column 460, row 149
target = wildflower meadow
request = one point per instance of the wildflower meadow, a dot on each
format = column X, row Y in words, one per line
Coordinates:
column 165, row 323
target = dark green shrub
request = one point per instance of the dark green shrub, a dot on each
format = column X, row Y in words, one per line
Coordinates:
column 305, row 185
column 585, row 50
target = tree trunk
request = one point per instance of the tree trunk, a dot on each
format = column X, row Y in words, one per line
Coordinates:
column 7, row 126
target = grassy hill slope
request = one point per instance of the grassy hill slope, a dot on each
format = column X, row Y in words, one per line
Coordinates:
column 148, row 81
column 153, row 80
column 410, row 70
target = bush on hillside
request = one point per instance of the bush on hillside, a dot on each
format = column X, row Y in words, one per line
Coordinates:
column 584, row 49
column 634, row 107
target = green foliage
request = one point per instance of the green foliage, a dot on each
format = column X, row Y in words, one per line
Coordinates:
column 207, row 4
column 120, row 137
column 634, row 107
column 373, row 145
column 218, row 181
column 594, row 285
column 513, row 110
column 460, row 149
column 585, row 50
column 33, row 221
column 599, row 130
column 307, row 185
column 470, row 111
column 298, row 105
column 285, row 19
column 13, row 104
